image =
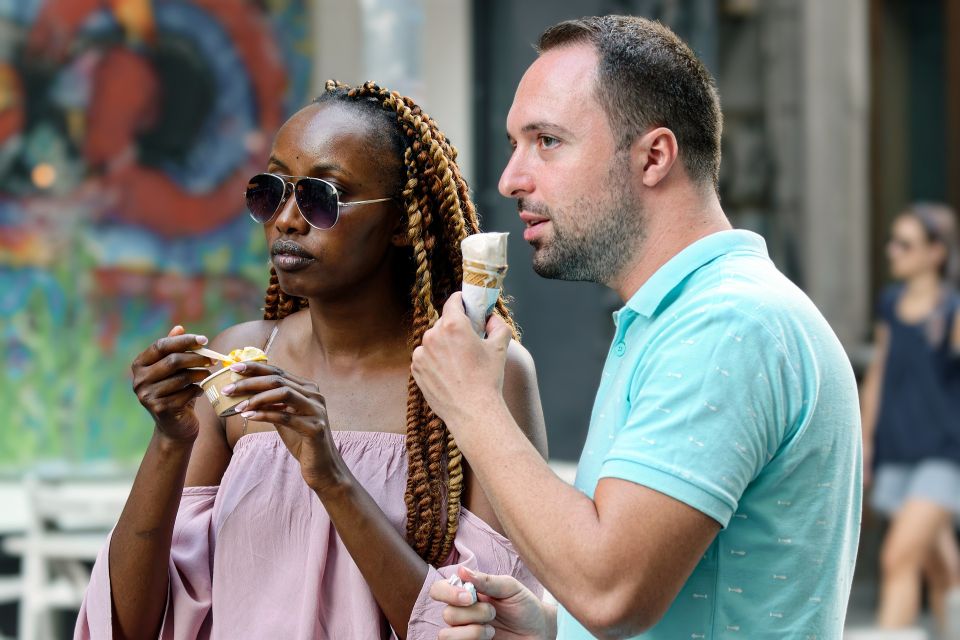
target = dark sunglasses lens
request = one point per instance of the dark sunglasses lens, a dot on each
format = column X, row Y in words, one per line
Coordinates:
column 318, row 202
column 264, row 193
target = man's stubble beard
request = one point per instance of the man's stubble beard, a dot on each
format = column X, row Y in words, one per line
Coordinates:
column 600, row 235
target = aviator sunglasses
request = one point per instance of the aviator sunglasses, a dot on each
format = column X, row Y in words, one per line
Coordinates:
column 318, row 200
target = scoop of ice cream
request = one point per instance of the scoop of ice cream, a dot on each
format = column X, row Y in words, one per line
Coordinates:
column 243, row 355
column 489, row 248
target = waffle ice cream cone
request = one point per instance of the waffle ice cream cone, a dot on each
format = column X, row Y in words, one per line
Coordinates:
column 484, row 267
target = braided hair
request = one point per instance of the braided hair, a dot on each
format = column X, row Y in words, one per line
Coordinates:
column 439, row 214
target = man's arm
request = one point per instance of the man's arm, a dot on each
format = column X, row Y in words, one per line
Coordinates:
column 615, row 562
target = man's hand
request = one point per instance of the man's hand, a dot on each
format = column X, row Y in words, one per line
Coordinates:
column 459, row 373
column 506, row 610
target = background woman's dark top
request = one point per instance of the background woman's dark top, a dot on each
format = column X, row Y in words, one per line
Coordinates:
column 920, row 401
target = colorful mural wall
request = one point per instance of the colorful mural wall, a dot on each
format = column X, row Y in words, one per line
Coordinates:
column 128, row 129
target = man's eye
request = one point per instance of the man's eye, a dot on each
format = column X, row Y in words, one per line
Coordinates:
column 548, row 142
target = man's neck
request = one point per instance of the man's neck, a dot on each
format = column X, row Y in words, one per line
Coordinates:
column 673, row 224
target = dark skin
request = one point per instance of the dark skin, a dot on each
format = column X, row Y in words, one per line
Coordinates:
column 341, row 364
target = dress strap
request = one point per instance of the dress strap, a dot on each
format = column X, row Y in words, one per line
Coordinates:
column 273, row 334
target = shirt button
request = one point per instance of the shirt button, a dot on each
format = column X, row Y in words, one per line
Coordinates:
column 620, row 349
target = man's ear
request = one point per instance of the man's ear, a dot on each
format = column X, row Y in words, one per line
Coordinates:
column 655, row 153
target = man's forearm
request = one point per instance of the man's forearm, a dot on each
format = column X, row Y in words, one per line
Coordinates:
column 544, row 517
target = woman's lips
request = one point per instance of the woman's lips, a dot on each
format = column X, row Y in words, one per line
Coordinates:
column 287, row 255
column 289, row 262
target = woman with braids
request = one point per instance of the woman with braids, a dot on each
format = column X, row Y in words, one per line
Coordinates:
column 335, row 498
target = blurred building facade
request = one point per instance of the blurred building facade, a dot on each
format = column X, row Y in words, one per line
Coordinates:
column 836, row 115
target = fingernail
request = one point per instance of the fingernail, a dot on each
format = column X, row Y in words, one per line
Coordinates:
column 243, row 405
column 201, row 339
column 247, row 414
column 464, row 598
column 488, row 632
column 227, row 390
column 239, row 366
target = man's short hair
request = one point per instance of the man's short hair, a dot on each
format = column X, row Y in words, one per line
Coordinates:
column 648, row 77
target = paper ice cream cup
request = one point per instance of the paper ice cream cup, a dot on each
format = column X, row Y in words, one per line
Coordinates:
column 213, row 386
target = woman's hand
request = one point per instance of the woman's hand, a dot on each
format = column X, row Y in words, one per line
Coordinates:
column 506, row 610
column 164, row 378
column 298, row 411
column 867, row 465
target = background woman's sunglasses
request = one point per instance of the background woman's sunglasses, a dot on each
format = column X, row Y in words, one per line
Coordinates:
column 901, row 244
column 318, row 200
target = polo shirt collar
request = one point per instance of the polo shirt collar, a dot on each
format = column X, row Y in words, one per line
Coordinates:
column 649, row 296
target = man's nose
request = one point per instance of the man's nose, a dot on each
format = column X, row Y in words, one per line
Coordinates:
column 516, row 180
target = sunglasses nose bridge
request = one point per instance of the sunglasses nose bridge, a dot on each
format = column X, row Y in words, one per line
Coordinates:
column 287, row 191
column 288, row 211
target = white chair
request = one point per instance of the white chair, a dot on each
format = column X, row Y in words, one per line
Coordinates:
column 69, row 518
column 11, row 590
column 13, row 521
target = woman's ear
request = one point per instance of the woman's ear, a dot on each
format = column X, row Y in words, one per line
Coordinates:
column 400, row 237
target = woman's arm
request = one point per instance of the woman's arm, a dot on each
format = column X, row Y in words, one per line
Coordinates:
column 188, row 447
column 955, row 334
column 870, row 395
column 393, row 570
column 163, row 378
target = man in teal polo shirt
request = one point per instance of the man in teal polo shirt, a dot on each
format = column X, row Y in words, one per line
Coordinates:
column 718, row 493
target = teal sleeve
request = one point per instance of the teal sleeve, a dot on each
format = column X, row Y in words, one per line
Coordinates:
column 709, row 407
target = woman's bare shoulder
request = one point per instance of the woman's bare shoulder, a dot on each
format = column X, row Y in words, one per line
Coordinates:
column 522, row 395
column 246, row 334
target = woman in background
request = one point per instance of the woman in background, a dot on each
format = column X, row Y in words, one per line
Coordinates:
column 911, row 415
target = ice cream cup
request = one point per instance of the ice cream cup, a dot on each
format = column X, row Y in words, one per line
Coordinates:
column 213, row 386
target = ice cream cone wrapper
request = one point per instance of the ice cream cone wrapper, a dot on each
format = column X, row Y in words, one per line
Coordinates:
column 484, row 267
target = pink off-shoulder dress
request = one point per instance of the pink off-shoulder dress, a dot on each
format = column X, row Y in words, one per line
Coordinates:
column 258, row 557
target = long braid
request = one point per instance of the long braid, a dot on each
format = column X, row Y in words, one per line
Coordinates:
column 277, row 304
column 439, row 213
column 420, row 501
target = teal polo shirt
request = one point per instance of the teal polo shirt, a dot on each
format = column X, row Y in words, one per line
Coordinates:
column 727, row 390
